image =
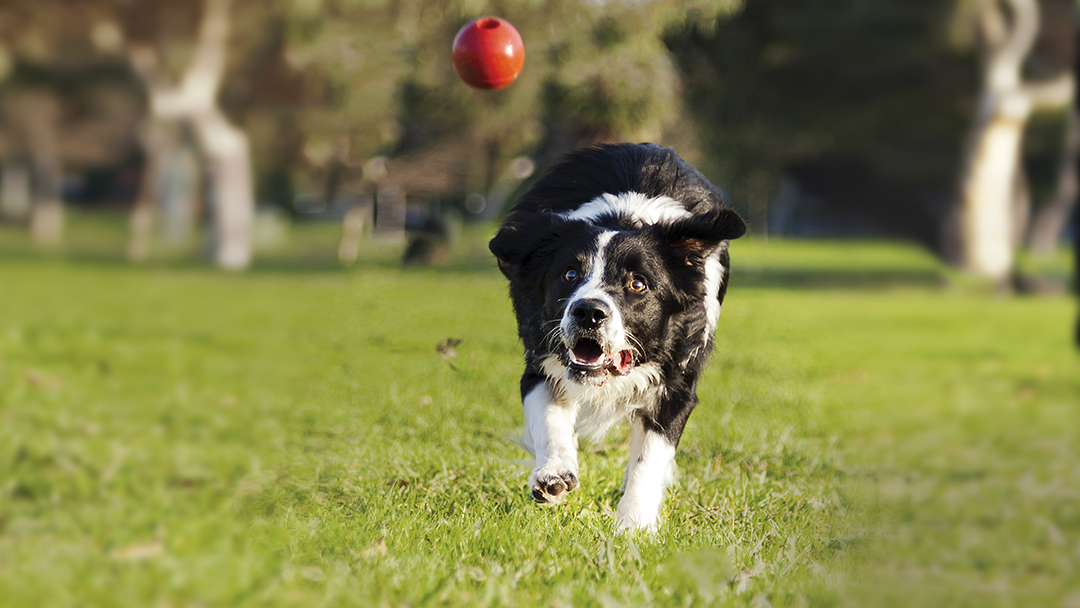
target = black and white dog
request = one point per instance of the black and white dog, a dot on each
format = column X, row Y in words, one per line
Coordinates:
column 617, row 260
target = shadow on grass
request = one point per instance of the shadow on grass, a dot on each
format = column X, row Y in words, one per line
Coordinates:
column 98, row 243
column 324, row 263
column 306, row 263
column 836, row 278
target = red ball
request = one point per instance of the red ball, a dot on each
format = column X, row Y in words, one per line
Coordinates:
column 488, row 53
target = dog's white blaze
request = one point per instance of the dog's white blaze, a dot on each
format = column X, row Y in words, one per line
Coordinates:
column 650, row 471
column 614, row 334
column 549, row 433
column 635, row 205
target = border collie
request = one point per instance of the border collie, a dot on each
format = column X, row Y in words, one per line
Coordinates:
column 617, row 260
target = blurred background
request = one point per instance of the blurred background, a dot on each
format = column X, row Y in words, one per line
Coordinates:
column 330, row 420
column 210, row 129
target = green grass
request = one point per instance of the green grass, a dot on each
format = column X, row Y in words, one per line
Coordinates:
column 175, row 436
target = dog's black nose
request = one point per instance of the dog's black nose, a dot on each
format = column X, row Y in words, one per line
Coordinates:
column 588, row 314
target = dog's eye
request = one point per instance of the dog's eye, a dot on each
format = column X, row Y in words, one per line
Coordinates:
column 570, row 275
column 638, row 285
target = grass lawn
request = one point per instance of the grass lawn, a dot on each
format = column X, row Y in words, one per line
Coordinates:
column 175, row 436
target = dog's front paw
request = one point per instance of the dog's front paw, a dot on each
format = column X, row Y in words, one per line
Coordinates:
column 549, row 486
column 634, row 515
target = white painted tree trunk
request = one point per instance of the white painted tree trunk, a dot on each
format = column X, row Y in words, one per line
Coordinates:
column 232, row 198
column 988, row 186
column 224, row 147
column 990, row 171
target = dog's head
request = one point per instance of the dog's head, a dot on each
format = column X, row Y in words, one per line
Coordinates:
column 603, row 296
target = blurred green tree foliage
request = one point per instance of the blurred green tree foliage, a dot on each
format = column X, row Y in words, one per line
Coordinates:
column 593, row 72
column 866, row 87
column 863, row 103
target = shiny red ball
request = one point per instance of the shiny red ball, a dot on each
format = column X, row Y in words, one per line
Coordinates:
column 488, row 53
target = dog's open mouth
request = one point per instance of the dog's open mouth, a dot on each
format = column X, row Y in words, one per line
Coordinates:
column 587, row 358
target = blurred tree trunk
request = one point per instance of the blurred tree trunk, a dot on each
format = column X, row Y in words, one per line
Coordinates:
column 179, row 188
column 15, row 191
column 36, row 116
column 1049, row 222
column 224, row 147
column 1076, row 265
column 142, row 214
column 168, row 195
column 990, row 173
column 1076, row 168
column 1076, row 261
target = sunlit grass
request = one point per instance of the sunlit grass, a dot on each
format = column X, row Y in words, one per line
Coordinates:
column 172, row 435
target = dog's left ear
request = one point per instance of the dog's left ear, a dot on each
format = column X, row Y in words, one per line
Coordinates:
column 694, row 239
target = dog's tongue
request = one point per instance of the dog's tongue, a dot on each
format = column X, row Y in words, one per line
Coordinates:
column 587, row 352
column 622, row 362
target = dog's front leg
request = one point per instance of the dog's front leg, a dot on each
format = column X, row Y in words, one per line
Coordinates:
column 549, row 434
column 650, row 471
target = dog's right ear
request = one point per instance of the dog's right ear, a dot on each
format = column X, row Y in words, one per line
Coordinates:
column 520, row 237
column 690, row 241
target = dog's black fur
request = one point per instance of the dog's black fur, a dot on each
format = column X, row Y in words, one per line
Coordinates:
column 655, row 277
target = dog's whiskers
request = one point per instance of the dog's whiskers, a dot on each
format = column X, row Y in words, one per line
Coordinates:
column 554, row 337
column 635, row 345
